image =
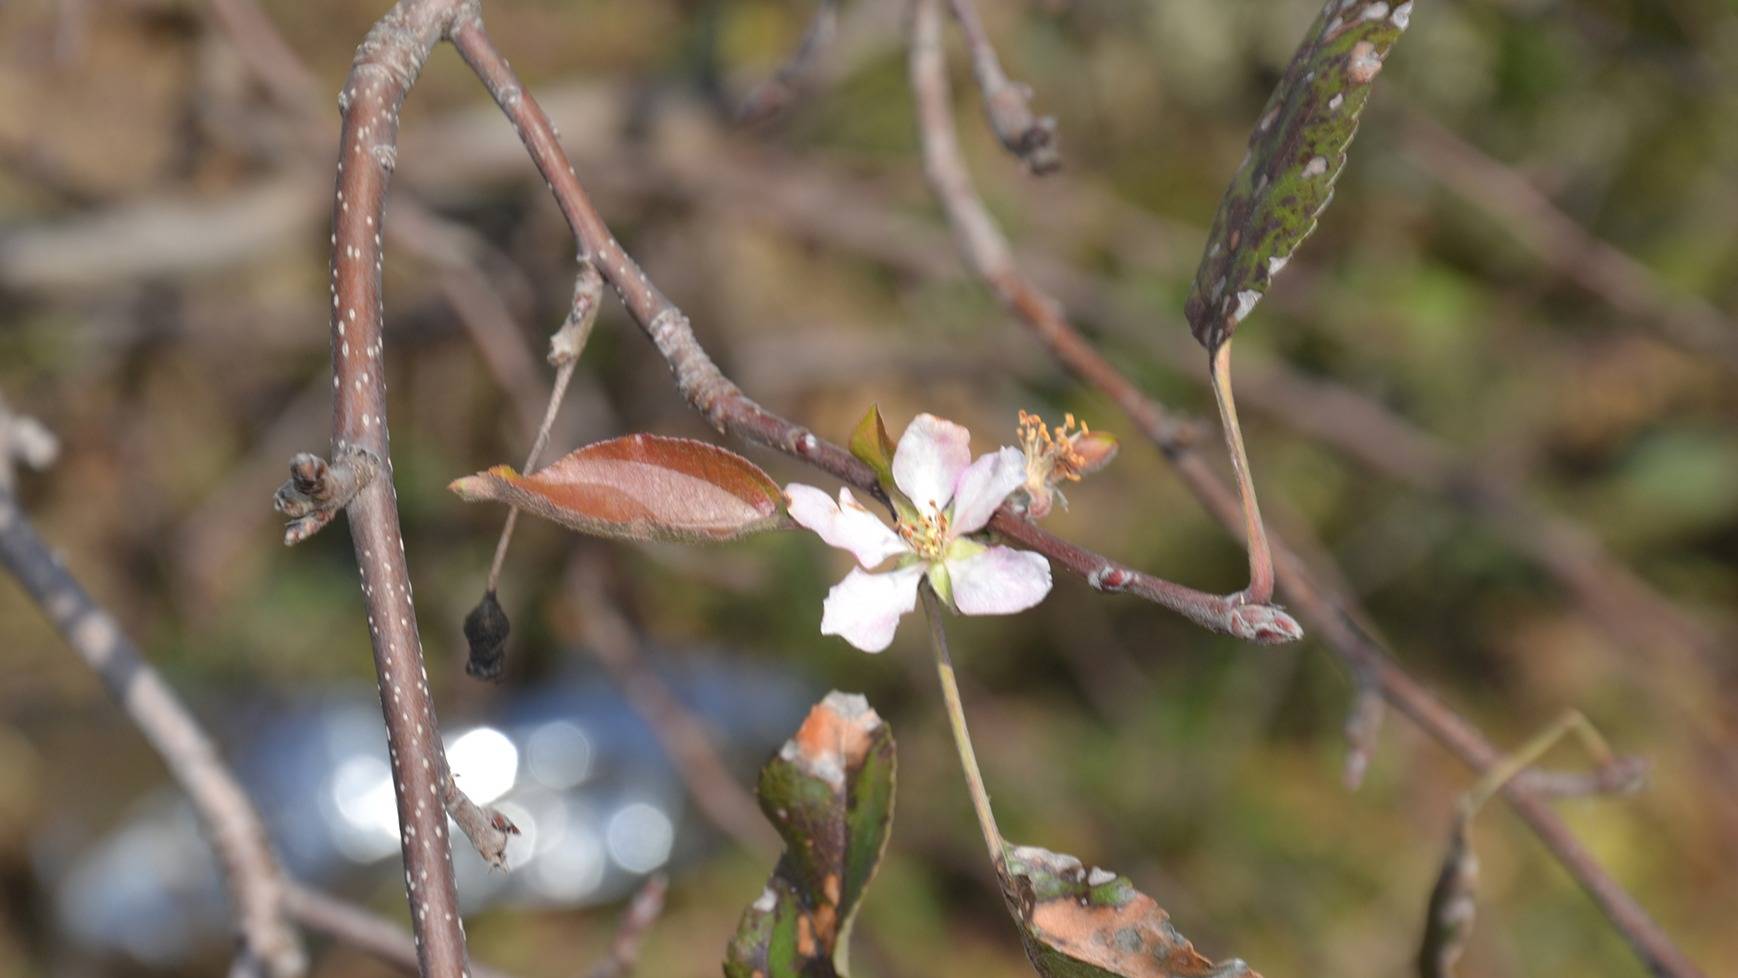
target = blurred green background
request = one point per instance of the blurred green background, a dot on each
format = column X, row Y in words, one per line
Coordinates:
column 163, row 303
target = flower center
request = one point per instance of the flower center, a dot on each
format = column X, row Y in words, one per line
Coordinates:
column 927, row 534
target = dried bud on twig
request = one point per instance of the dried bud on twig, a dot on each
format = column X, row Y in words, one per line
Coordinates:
column 1055, row 456
column 486, row 630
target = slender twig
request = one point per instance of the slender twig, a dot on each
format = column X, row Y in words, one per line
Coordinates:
column 685, row 739
column 643, row 911
column 956, row 718
column 1007, row 104
column 1528, row 754
column 268, row 944
column 565, row 348
column 774, row 96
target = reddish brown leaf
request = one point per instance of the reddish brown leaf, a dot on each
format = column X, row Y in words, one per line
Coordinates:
column 641, row 487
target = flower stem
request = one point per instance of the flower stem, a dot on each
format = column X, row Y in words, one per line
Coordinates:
column 962, row 738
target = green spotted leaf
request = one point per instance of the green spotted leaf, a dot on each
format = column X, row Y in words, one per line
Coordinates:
column 1078, row 923
column 1295, row 155
column 829, row 792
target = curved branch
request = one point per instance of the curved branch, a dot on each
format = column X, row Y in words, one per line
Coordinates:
column 386, row 66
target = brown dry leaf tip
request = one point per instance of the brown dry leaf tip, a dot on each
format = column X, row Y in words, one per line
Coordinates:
column 833, row 738
column 1058, row 455
column 317, row 490
column 1080, row 923
column 829, row 793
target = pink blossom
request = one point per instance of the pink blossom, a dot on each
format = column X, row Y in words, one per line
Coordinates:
column 951, row 497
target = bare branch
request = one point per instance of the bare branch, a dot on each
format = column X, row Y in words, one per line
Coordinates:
column 269, row 945
column 773, row 98
column 1691, row 323
column 386, row 66
column 1008, row 104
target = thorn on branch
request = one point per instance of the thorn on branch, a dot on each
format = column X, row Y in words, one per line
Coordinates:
column 316, row 490
column 487, row 828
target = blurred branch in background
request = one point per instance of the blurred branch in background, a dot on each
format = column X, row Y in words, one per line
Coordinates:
column 609, row 637
column 1530, row 217
column 269, row 947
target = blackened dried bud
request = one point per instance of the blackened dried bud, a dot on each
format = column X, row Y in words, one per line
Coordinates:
column 486, row 630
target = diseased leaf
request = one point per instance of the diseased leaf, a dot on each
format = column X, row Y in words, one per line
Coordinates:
column 829, row 792
column 641, row 487
column 870, row 443
column 1077, row 923
column 1453, row 904
column 1295, row 155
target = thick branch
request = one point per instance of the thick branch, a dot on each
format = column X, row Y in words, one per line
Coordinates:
column 386, row 66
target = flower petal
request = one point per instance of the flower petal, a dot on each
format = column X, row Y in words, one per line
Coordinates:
column 999, row 581
column 982, row 488
column 846, row 525
column 931, row 455
column 864, row 608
